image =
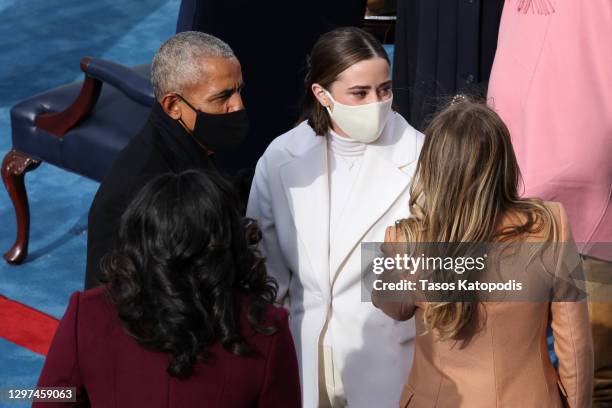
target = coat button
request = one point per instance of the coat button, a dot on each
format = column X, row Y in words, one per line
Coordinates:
column 469, row 79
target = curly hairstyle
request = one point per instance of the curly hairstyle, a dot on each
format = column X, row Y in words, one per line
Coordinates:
column 182, row 264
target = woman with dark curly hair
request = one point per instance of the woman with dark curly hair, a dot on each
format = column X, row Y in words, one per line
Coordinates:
column 186, row 319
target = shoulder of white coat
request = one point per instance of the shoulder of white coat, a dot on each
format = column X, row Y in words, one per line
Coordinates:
column 290, row 144
column 405, row 129
column 407, row 140
column 293, row 139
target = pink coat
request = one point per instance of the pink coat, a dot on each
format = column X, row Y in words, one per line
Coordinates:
column 552, row 84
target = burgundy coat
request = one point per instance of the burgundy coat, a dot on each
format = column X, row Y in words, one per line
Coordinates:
column 93, row 352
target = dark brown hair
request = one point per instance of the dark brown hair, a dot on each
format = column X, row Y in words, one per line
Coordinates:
column 334, row 52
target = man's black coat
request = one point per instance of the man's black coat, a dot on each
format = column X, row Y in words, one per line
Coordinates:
column 162, row 146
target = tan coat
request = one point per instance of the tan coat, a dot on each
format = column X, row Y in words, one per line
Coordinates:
column 506, row 363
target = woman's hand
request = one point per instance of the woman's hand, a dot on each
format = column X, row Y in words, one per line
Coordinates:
column 394, row 241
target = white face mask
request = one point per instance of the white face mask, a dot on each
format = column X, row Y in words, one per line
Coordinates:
column 363, row 123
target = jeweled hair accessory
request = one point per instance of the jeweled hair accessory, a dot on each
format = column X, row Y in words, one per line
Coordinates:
column 458, row 99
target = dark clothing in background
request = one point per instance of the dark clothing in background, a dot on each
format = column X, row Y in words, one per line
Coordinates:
column 162, row 146
column 442, row 47
column 271, row 39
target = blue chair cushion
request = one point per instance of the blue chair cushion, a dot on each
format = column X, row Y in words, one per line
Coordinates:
column 90, row 148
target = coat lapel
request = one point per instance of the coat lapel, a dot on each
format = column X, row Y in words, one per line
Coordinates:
column 381, row 181
column 306, row 186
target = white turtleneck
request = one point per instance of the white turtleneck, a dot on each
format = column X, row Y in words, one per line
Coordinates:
column 344, row 161
column 344, row 157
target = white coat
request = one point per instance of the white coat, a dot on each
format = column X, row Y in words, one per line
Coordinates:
column 290, row 200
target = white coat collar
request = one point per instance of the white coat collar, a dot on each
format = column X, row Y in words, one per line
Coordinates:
column 381, row 182
column 394, row 143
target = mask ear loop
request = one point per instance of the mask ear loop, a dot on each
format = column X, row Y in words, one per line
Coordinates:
column 187, row 103
column 178, row 95
column 206, row 149
column 331, row 98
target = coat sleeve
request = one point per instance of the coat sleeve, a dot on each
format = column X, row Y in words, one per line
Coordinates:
column 260, row 208
column 573, row 342
column 399, row 305
column 61, row 368
column 102, row 227
column 281, row 385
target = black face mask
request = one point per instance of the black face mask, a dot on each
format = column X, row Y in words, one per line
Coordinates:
column 219, row 132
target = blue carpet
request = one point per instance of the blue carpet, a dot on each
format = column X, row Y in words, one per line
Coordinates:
column 42, row 45
column 19, row 368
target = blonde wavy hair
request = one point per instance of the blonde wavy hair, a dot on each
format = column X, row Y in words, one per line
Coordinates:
column 466, row 179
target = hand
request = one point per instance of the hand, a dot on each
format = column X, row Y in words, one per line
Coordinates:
column 394, row 241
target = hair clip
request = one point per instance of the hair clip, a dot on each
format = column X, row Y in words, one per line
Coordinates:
column 458, row 99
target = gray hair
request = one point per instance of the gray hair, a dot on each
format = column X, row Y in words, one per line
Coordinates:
column 177, row 64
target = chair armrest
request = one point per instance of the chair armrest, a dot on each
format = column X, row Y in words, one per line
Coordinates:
column 96, row 72
column 133, row 85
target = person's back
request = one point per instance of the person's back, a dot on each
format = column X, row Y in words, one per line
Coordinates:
column 503, row 360
column 187, row 317
column 506, row 266
column 93, row 352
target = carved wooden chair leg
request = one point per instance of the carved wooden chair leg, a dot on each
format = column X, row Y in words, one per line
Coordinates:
column 14, row 167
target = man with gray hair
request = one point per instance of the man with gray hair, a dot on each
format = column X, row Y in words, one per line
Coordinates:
column 197, row 81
